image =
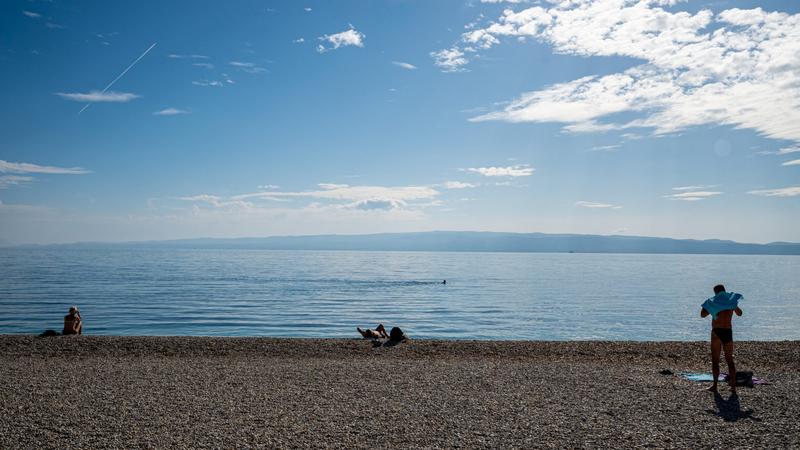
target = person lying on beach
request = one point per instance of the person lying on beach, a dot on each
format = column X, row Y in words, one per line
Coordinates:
column 721, row 307
column 378, row 333
column 72, row 322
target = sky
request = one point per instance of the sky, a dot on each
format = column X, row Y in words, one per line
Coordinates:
column 125, row 121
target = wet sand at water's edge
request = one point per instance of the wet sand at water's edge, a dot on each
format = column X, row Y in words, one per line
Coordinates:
column 190, row 392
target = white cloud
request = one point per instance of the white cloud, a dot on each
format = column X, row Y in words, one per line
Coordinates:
column 377, row 204
column 247, row 67
column 32, row 14
column 792, row 191
column 504, row 1
column 458, row 185
column 333, row 200
column 299, row 40
column 12, row 167
column 596, row 205
column 693, row 188
column 307, row 9
column 98, row 96
column 519, row 170
column 175, row 56
column 351, row 37
column 738, row 68
column 794, row 162
column 204, row 65
column 604, row 148
column 404, row 65
column 13, row 180
column 788, row 150
column 208, row 83
column 450, row 60
column 171, row 112
column 218, row 202
column 53, row 26
column 344, row 192
column 692, row 196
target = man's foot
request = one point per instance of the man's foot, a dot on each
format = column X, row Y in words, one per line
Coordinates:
column 712, row 388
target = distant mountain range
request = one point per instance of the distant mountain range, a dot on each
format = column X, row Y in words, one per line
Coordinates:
column 469, row 241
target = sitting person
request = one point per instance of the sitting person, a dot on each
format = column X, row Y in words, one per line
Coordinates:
column 72, row 322
column 378, row 333
column 396, row 335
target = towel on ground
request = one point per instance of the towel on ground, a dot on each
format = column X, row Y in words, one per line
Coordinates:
column 743, row 378
column 722, row 302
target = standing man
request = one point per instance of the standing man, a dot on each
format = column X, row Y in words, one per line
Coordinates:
column 721, row 308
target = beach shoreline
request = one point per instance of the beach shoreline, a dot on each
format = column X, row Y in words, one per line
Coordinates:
column 231, row 392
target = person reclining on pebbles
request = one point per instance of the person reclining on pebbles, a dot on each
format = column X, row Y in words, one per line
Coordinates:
column 378, row 333
column 721, row 308
column 72, row 322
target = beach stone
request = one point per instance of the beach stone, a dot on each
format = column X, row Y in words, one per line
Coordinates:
column 191, row 392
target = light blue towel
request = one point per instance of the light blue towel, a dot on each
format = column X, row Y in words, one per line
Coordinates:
column 701, row 377
column 722, row 302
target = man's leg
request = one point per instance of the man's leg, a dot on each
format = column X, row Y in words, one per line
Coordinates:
column 731, row 367
column 716, row 347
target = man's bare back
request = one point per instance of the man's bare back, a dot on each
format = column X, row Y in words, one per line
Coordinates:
column 723, row 319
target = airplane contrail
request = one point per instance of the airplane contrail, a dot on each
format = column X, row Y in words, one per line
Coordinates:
column 123, row 73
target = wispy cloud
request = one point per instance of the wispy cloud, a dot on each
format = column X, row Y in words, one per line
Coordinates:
column 519, row 170
column 13, row 180
column 32, row 14
column 794, row 162
column 404, row 65
column 307, row 9
column 692, row 196
column 782, row 151
column 351, row 37
column 596, row 205
column 337, row 196
column 204, row 65
column 171, row 112
column 12, row 167
column 98, row 96
column 743, row 72
column 54, row 26
column 177, row 56
column 792, row 191
column 299, row 40
column 458, row 185
column 693, row 188
column 605, row 148
column 248, row 67
column 208, row 83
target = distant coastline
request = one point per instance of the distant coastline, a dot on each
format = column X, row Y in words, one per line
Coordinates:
column 463, row 241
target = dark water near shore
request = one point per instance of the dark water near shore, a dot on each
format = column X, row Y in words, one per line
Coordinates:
column 327, row 294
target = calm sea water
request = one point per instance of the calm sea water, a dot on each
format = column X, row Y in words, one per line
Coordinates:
column 327, row 294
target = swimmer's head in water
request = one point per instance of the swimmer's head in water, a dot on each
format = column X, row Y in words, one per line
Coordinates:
column 73, row 310
column 719, row 288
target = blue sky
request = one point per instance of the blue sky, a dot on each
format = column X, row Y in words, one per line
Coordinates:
column 653, row 117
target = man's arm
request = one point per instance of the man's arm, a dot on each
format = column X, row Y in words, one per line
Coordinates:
column 703, row 312
column 738, row 311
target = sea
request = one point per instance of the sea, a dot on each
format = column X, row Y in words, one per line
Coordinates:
column 327, row 294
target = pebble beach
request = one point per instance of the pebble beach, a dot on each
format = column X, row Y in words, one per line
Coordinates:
column 202, row 392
